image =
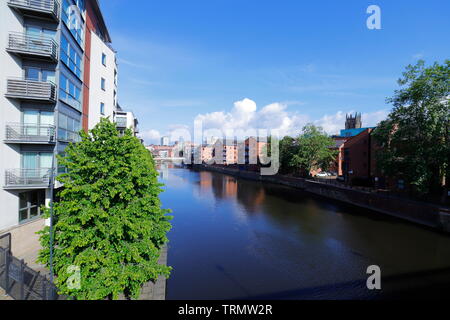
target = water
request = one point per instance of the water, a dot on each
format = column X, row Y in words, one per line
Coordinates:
column 238, row 239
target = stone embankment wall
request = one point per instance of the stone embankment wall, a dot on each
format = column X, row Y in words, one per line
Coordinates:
column 419, row 212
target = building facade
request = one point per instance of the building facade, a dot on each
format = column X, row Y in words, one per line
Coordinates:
column 58, row 75
column 40, row 98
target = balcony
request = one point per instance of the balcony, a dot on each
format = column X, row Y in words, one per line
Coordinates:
column 24, row 89
column 32, row 46
column 121, row 122
column 29, row 133
column 47, row 9
column 19, row 179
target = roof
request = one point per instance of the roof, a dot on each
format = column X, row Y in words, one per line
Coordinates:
column 353, row 132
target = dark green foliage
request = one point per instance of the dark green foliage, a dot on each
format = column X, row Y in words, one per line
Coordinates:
column 414, row 140
column 108, row 221
column 311, row 150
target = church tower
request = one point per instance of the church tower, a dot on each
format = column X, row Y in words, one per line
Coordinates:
column 353, row 122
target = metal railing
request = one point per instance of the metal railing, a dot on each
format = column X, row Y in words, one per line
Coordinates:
column 41, row 6
column 15, row 178
column 19, row 132
column 21, row 282
column 35, row 45
column 31, row 89
column 121, row 122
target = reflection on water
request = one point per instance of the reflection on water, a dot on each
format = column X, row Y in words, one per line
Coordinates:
column 243, row 239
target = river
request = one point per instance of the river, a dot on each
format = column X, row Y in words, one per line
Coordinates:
column 239, row 239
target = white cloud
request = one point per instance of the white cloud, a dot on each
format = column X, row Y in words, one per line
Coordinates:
column 245, row 115
column 151, row 136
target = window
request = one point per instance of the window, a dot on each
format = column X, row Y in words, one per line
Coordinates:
column 103, row 84
column 38, row 74
column 70, row 57
column 38, row 122
column 102, row 108
column 104, row 59
column 32, row 161
column 69, row 92
column 68, row 128
column 30, row 204
column 35, row 31
column 72, row 20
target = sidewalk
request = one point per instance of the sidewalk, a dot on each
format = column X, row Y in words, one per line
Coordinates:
column 3, row 296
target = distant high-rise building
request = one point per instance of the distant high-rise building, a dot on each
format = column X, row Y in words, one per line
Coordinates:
column 353, row 122
column 165, row 141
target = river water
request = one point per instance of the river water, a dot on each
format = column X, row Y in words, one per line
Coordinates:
column 239, row 239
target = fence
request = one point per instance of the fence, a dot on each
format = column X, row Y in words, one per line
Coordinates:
column 20, row 281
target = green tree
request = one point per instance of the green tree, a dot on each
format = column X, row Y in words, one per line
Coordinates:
column 313, row 150
column 414, row 140
column 288, row 149
column 108, row 221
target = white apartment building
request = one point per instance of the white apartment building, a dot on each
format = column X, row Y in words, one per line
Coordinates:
column 126, row 120
column 103, row 81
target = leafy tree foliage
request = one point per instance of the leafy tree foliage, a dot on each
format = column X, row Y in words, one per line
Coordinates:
column 414, row 140
column 108, row 221
column 311, row 150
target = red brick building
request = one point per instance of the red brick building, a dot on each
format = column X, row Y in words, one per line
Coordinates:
column 357, row 158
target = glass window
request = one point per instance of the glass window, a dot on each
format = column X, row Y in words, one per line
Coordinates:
column 48, row 76
column 46, row 160
column 30, row 160
column 49, row 33
column 103, row 84
column 30, row 204
column 69, row 128
column 104, row 59
column 33, row 31
column 32, row 73
column 102, row 108
column 62, row 121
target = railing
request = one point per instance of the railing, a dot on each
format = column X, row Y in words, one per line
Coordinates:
column 19, row 132
column 21, row 282
column 43, row 6
column 31, row 89
column 29, row 44
column 27, row 178
column 121, row 122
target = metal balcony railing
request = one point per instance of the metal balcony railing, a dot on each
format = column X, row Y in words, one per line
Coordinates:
column 22, row 43
column 121, row 122
column 46, row 8
column 29, row 133
column 31, row 89
column 27, row 178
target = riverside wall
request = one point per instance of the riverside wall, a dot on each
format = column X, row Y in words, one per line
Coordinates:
column 423, row 213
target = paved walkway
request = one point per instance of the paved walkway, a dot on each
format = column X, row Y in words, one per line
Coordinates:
column 3, row 296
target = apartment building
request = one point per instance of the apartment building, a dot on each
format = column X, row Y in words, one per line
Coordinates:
column 126, row 120
column 58, row 75
column 40, row 98
column 101, row 70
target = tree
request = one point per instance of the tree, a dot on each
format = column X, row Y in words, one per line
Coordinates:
column 314, row 150
column 108, row 221
column 414, row 140
column 288, row 149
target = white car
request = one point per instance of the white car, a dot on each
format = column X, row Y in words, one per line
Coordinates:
column 322, row 175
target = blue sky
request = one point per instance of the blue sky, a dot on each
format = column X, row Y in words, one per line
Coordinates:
column 293, row 61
